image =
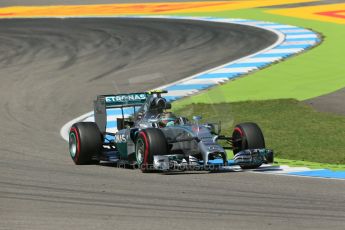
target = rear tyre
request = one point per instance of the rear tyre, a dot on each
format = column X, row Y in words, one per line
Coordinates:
column 85, row 143
column 247, row 136
column 150, row 142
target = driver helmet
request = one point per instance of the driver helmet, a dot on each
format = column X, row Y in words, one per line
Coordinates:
column 167, row 119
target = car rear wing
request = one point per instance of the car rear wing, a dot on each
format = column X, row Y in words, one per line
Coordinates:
column 116, row 101
column 120, row 101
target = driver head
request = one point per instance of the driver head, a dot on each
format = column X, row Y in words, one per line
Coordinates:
column 167, row 119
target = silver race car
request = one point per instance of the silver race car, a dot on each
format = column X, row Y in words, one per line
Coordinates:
column 153, row 139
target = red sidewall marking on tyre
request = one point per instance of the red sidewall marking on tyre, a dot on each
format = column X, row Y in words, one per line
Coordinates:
column 238, row 130
column 143, row 134
column 75, row 131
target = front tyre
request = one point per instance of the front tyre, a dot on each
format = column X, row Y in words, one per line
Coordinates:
column 85, row 142
column 150, row 142
column 247, row 136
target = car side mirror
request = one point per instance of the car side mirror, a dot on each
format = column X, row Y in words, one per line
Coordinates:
column 197, row 118
column 214, row 128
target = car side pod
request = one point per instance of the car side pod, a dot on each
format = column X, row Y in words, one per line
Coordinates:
column 253, row 158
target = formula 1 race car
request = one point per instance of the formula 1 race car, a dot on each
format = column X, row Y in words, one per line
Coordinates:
column 153, row 139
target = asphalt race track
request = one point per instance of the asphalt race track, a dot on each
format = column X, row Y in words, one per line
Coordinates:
column 332, row 102
column 51, row 69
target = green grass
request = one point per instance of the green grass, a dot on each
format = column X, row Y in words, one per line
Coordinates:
column 313, row 73
column 294, row 130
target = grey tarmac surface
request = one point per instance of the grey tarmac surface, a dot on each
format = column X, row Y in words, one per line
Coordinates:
column 50, row 70
column 329, row 103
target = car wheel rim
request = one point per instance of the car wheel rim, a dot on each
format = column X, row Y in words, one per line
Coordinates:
column 140, row 151
column 72, row 145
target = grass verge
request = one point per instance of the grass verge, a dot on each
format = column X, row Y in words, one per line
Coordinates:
column 314, row 73
column 294, row 130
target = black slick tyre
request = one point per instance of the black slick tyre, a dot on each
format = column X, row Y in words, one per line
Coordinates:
column 150, row 142
column 85, row 143
column 247, row 136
